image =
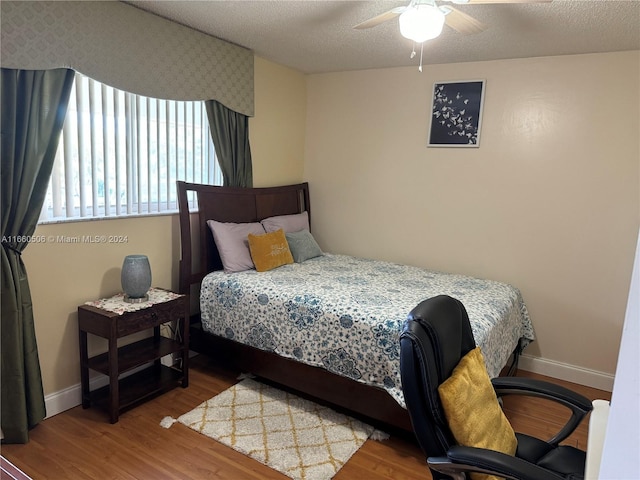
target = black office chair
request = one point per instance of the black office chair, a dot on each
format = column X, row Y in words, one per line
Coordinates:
column 436, row 335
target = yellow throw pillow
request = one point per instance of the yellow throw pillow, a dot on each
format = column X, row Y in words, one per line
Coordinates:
column 472, row 410
column 269, row 250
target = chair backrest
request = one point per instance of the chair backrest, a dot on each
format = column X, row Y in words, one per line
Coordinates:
column 435, row 336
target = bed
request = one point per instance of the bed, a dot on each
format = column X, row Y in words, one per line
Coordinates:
column 326, row 326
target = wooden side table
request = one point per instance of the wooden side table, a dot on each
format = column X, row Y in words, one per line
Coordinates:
column 112, row 319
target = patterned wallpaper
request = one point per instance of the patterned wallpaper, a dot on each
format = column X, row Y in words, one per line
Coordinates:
column 127, row 48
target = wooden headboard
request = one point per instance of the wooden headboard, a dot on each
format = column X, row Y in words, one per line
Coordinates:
column 199, row 254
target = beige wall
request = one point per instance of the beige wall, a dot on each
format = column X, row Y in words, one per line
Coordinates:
column 277, row 131
column 64, row 275
column 549, row 202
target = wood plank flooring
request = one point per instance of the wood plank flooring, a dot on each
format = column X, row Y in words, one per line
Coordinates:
column 82, row 444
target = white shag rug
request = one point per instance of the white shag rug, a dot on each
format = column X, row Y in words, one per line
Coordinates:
column 297, row 437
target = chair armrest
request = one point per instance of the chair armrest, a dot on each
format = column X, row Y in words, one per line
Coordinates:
column 578, row 404
column 541, row 388
column 461, row 459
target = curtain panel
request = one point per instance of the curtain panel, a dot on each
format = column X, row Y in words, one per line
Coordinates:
column 33, row 108
column 230, row 134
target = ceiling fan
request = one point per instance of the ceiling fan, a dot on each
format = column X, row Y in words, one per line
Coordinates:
column 423, row 20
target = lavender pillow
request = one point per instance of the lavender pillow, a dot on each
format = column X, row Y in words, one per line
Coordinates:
column 233, row 244
column 288, row 223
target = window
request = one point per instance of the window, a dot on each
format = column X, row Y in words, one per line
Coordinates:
column 120, row 154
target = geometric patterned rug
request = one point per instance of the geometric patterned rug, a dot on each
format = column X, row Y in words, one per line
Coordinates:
column 295, row 436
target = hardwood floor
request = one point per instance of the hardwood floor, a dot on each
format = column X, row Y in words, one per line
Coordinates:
column 82, row 444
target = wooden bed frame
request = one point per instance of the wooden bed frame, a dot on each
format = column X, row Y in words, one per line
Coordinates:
column 200, row 256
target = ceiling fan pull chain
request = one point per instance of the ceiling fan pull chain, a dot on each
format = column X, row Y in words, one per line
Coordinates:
column 413, row 54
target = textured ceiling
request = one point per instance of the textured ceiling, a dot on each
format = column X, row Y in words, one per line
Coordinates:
column 315, row 36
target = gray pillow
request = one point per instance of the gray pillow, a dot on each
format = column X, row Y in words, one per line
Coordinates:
column 303, row 246
column 288, row 223
column 233, row 245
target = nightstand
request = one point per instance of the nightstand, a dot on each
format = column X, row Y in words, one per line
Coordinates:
column 113, row 318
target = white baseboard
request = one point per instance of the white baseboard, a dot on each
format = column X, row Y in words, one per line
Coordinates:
column 569, row 373
column 71, row 397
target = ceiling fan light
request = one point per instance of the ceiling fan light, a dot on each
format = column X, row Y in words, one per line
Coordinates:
column 421, row 22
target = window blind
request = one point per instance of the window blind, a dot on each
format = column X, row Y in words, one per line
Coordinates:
column 121, row 154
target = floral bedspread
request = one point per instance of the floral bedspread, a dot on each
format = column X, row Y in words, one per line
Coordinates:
column 345, row 313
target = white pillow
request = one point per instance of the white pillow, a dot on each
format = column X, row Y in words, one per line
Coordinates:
column 233, row 245
column 288, row 223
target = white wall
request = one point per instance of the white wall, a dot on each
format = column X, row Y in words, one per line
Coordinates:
column 549, row 201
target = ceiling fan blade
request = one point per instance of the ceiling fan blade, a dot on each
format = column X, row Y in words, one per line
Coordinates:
column 383, row 17
column 461, row 22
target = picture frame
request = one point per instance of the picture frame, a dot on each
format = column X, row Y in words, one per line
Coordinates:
column 456, row 114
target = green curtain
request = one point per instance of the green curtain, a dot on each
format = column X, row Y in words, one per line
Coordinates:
column 230, row 134
column 34, row 104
